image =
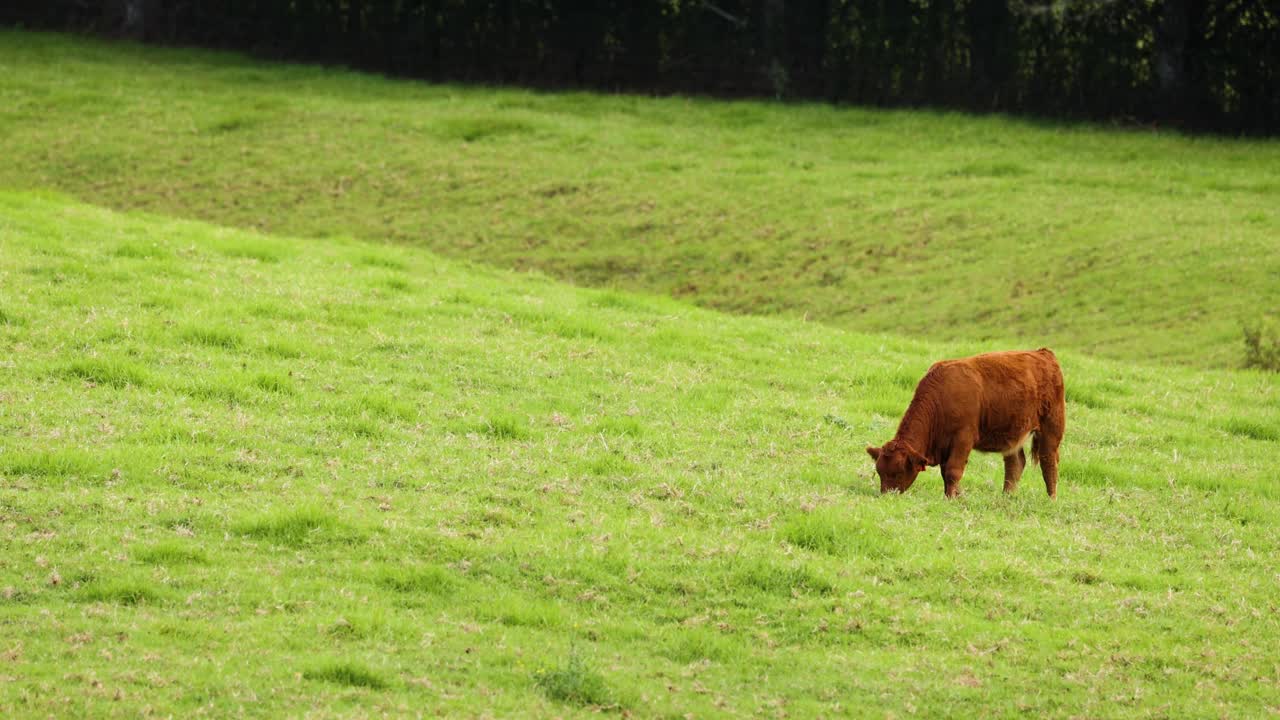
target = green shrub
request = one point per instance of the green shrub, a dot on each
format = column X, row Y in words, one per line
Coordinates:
column 1262, row 346
column 576, row 683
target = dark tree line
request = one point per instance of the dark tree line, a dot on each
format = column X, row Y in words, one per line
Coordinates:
column 1197, row 64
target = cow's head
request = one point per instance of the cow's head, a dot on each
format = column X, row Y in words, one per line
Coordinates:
column 897, row 464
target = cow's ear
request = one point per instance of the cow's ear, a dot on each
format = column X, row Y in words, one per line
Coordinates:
column 919, row 461
column 874, row 452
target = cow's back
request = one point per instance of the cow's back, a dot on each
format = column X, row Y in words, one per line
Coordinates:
column 1012, row 390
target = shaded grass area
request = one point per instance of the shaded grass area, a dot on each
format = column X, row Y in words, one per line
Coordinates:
column 487, row 493
column 933, row 225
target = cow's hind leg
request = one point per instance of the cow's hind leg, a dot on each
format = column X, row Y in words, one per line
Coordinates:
column 1045, row 448
column 1049, row 468
column 1014, row 462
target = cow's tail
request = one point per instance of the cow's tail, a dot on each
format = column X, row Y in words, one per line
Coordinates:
column 1035, row 447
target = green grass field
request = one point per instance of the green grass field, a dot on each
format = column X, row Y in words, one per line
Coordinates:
column 1123, row 244
column 281, row 437
column 248, row 474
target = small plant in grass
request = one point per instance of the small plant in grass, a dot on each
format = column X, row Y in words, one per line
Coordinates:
column 346, row 673
column 112, row 373
column 576, row 683
column 121, row 592
column 170, row 553
column 429, row 580
column 273, row 383
column 215, row 337
column 294, row 528
column 1262, row 345
column 1245, row 427
column 505, row 427
column 819, row 532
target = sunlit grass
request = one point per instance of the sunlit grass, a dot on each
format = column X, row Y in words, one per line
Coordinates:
column 493, row 494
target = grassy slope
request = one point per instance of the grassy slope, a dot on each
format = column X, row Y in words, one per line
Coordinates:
column 1133, row 245
column 246, row 474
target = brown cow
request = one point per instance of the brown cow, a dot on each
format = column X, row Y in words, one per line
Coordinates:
column 986, row 402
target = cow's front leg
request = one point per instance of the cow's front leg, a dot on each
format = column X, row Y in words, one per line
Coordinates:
column 953, row 470
column 1013, row 465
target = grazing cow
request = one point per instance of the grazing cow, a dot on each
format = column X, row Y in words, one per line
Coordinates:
column 986, row 402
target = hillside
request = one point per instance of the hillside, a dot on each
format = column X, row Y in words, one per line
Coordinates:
column 1135, row 245
column 265, row 476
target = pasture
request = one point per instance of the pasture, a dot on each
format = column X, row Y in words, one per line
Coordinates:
column 1127, row 244
column 279, row 436
column 259, row 475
